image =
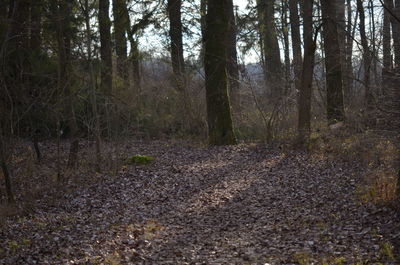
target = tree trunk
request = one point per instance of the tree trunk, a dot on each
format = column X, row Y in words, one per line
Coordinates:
column 349, row 51
column 219, row 117
column 64, row 75
column 105, row 47
column 5, row 169
column 285, row 33
column 386, row 38
column 120, row 25
column 304, row 119
column 369, row 99
column 232, row 63
column 135, row 61
column 334, row 85
column 340, row 7
column 296, row 41
column 396, row 34
column 92, row 86
column 175, row 34
column 270, row 47
column 203, row 13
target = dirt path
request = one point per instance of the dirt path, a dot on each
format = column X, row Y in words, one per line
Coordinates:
column 227, row 205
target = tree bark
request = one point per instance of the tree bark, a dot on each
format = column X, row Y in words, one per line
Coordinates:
column 386, row 37
column 304, row 118
column 219, row 117
column 203, row 13
column 5, row 168
column 285, row 33
column 175, row 34
column 296, row 41
column 105, row 47
column 349, row 51
column 333, row 59
column 340, row 8
column 120, row 25
column 232, row 63
column 270, row 47
column 396, row 34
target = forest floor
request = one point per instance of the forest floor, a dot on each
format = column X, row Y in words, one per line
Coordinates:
column 244, row 204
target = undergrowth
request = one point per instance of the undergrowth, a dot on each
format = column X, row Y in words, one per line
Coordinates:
column 377, row 153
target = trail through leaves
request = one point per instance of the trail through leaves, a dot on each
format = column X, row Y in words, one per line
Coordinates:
column 244, row 204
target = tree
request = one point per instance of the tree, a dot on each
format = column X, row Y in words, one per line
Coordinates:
column 64, row 35
column 92, row 85
column 175, row 34
column 369, row 99
column 270, row 47
column 296, row 41
column 304, row 118
column 350, row 29
column 220, row 128
column 340, row 8
column 386, row 37
column 134, row 55
column 120, row 25
column 333, row 60
column 232, row 61
column 105, row 47
column 396, row 33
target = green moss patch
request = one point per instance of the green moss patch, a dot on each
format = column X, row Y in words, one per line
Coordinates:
column 139, row 160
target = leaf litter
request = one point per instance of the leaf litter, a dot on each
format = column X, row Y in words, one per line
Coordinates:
column 245, row 204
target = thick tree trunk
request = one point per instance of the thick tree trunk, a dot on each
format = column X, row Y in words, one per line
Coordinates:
column 105, row 47
column 219, row 117
column 270, row 47
column 304, row 119
column 203, row 13
column 333, row 59
column 5, row 169
column 175, row 34
column 296, row 41
column 120, row 25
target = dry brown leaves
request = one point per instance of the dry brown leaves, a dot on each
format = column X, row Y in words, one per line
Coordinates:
column 243, row 204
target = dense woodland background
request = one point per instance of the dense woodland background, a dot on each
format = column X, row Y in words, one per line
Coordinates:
column 82, row 79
